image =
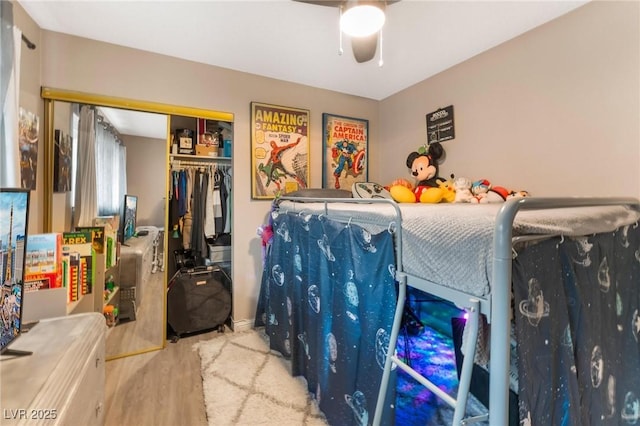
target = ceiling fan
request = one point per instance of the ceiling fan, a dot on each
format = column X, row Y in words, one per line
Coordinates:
column 363, row 46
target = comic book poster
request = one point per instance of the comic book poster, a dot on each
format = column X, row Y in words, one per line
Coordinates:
column 43, row 262
column 28, row 144
column 279, row 150
column 344, row 156
column 77, row 263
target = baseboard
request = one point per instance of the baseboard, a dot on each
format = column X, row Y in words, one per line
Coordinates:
column 242, row 325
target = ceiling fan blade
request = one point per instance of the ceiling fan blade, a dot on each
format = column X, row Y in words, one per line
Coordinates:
column 330, row 3
column 364, row 48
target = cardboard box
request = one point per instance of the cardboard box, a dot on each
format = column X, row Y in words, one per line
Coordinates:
column 77, row 261
column 43, row 262
column 219, row 253
column 209, row 151
column 220, row 248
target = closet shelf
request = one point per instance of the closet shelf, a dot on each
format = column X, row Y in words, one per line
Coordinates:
column 112, row 293
column 198, row 157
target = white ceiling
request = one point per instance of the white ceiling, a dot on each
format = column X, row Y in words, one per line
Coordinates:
column 299, row 42
column 136, row 123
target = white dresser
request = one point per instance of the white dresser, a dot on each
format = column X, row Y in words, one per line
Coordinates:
column 63, row 381
column 136, row 263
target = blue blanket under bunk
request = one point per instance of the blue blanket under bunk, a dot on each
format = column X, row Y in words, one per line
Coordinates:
column 327, row 303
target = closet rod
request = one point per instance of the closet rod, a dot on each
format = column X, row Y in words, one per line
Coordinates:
column 28, row 42
column 179, row 163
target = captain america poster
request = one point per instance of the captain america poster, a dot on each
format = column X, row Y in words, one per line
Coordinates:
column 345, row 145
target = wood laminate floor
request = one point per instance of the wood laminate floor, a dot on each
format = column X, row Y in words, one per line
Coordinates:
column 146, row 331
column 160, row 388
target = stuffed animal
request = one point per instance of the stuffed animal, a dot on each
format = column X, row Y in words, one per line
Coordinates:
column 423, row 165
column 462, row 187
column 518, row 194
column 484, row 192
column 448, row 190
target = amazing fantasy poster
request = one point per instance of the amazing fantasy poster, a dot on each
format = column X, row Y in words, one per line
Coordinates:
column 345, row 154
column 279, row 150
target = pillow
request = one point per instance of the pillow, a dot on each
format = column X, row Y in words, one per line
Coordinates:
column 320, row 193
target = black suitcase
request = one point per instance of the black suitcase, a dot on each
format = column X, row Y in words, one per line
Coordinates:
column 198, row 299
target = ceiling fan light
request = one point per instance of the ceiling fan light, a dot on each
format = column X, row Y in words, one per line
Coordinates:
column 362, row 20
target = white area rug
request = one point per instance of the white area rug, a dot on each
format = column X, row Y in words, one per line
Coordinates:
column 244, row 383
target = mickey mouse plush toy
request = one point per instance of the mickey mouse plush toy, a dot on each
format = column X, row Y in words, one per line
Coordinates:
column 423, row 165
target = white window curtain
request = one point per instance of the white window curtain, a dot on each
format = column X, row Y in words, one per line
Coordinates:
column 10, row 52
column 86, row 200
column 74, row 122
column 111, row 163
column 101, row 177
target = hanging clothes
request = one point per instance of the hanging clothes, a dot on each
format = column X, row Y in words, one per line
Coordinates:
column 187, row 219
column 217, row 198
column 227, row 201
column 200, row 187
column 174, row 209
column 217, row 203
column 182, row 192
column 209, row 218
column 200, row 205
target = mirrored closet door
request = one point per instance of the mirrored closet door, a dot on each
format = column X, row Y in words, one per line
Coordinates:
column 131, row 288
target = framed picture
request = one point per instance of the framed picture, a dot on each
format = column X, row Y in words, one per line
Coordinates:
column 344, row 154
column 14, row 218
column 279, row 150
column 62, row 161
column 440, row 125
column 29, row 127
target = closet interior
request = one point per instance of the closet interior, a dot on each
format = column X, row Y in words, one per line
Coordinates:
column 200, row 193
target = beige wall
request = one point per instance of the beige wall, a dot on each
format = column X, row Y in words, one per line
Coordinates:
column 88, row 66
column 146, row 177
column 30, row 100
column 554, row 111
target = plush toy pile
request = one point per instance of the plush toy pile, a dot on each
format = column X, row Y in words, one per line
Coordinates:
column 429, row 187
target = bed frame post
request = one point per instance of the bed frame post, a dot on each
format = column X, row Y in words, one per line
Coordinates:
column 393, row 339
column 469, row 351
column 500, row 308
column 499, row 383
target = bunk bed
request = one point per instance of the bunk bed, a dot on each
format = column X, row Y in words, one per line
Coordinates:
column 469, row 255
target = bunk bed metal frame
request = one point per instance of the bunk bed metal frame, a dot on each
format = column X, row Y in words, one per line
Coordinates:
column 495, row 305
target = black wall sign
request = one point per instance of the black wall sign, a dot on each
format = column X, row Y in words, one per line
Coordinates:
column 440, row 126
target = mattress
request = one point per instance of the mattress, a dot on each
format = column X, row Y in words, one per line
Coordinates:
column 451, row 244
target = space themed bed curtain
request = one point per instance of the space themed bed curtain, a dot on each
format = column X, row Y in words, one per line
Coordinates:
column 578, row 329
column 327, row 302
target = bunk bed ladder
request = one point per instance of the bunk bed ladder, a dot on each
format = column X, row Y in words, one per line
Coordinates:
column 459, row 403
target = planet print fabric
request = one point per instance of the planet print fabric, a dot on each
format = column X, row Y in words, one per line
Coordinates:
column 576, row 303
column 327, row 302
